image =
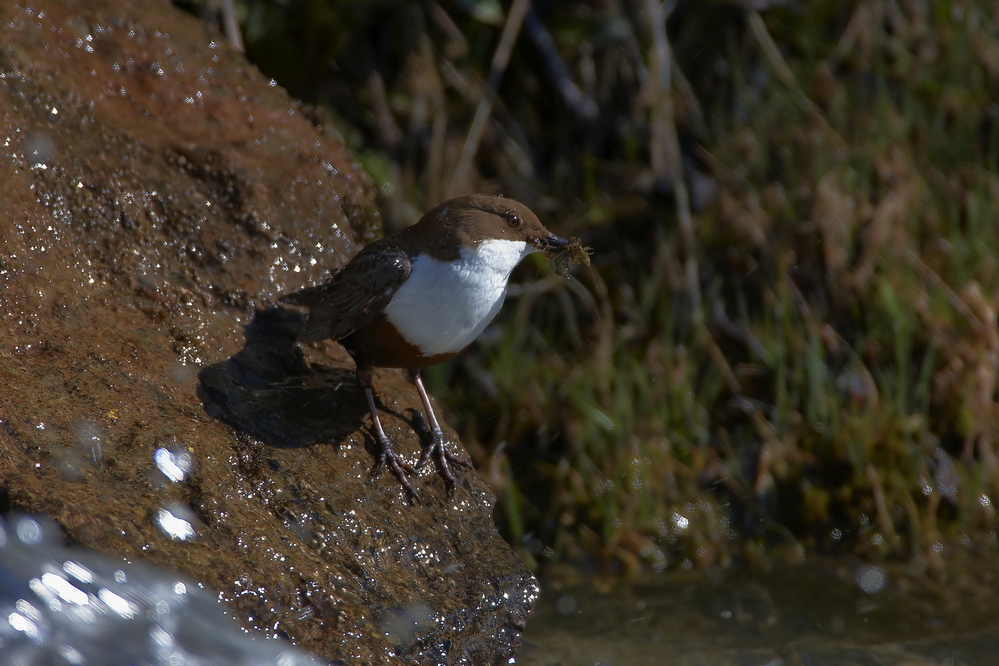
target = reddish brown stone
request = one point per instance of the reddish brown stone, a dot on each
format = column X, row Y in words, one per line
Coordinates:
column 158, row 194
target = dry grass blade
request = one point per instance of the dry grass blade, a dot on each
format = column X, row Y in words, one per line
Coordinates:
column 772, row 53
column 231, row 23
column 583, row 107
column 500, row 59
column 667, row 163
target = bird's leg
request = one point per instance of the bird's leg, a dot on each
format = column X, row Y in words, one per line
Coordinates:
column 437, row 447
column 387, row 457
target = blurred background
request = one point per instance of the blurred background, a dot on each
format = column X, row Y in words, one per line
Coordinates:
column 786, row 344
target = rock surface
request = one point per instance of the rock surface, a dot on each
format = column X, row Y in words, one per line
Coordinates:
column 159, row 193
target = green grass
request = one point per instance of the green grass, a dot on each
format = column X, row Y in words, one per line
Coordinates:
column 847, row 269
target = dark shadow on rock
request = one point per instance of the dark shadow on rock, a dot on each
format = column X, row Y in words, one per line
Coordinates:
column 267, row 390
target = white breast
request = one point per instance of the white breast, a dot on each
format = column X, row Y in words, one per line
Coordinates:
column 443, row 306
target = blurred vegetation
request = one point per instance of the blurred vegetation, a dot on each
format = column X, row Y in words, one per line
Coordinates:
column 788, row 340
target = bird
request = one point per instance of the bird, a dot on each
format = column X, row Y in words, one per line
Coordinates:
column 419, row 297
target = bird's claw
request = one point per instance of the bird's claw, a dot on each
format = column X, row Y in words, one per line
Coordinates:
column 399, row 468
column 437, row 448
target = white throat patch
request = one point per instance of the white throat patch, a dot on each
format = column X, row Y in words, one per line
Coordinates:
column 444, row 305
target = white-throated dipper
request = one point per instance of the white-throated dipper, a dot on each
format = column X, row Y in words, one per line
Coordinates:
column 420, row 297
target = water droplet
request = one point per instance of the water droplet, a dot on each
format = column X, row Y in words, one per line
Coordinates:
column 177, row 521
column 872, row 580
column 174, row 462
column 29, row 531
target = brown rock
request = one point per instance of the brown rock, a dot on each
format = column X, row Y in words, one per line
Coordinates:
column 158, row 194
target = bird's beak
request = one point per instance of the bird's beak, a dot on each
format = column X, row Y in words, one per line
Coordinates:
column 549, row 243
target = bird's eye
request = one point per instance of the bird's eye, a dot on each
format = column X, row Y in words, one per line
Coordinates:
column 512, row 221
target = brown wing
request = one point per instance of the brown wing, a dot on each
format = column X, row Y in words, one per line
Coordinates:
column 354, row 296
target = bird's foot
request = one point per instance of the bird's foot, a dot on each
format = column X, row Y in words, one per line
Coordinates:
column 387, row 457
column 437, row 448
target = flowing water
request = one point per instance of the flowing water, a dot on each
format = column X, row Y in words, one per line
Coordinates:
column 816, row 613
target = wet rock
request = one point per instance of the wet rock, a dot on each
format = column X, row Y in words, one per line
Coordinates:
column 159, row 193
